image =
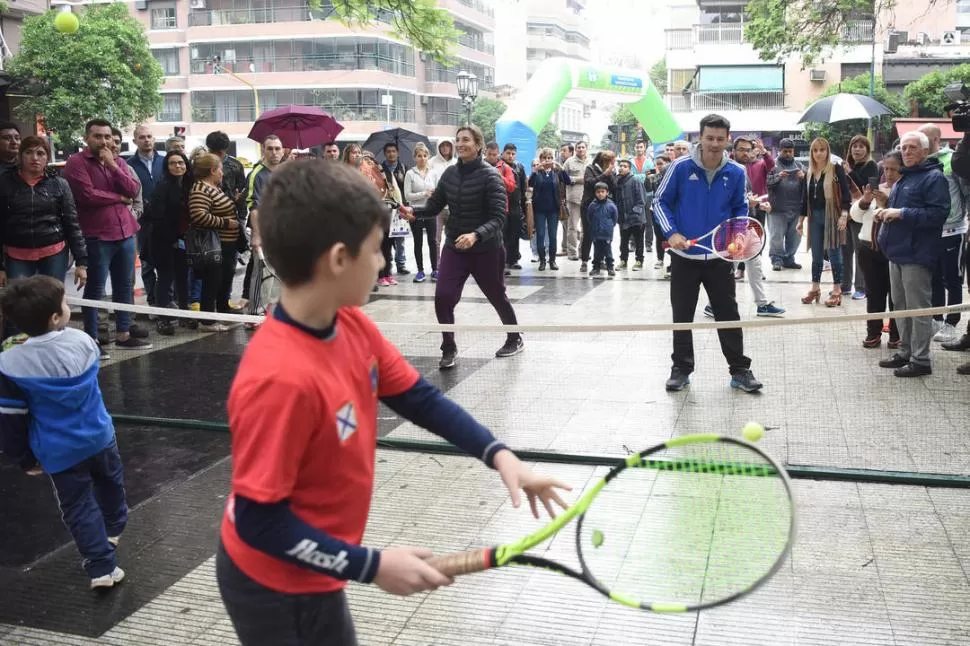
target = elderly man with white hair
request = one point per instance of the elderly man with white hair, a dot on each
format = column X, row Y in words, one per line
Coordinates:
column 910, row 237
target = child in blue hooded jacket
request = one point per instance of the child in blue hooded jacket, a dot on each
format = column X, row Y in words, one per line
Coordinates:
column 603, row 216
column 53, row 419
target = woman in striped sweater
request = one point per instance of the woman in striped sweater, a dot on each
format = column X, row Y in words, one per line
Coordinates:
column 211, row 208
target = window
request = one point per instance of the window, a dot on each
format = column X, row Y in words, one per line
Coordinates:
column 305, row 55
column 164, row 18
column 434, row 72
column 350, row 104
column 169, row 60
column 171, row 108
column 442, row 111
column 679, row 80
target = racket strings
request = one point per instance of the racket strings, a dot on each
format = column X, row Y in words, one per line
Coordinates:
column 694, row 525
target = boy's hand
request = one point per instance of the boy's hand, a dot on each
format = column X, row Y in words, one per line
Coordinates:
column 404, row 571
column 517, row 476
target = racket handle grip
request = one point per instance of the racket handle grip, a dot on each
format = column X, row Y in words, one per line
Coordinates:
column 459, row 563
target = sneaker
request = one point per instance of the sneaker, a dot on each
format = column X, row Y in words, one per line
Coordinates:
column 583, row 268
column 515, row 265
column 659, row 264
column 448, row 359
column 770, row 310
column 132, row 343
column 402, row 270
column 963, row 369
column 114, row 540
column 195, row 307
column 104, row 355
column 165, row 328
column 667, row 273
column 610, row 272
column 958, row 345
column 622, row 265
column 913, row 370
column 678, row 380
column 638, row 265
column 937, row 327
column 858, row 295
column 895, row 361
column 108, row 580
column 420, row 277
column 535, row 258
column 511, row 348
column 434, row 277
column 191, row 324
column 593, row 273
column 392, row 281
column 739, row 274
column 709, row 311
column 792, row 265
column 383, row 282
column 947, row 334
column 826, row 265
column 508, row 272
column 776, row 266
column 746, row 381
column 648, row 249
column 138, row 331
column 574, row 258
column 213, row 327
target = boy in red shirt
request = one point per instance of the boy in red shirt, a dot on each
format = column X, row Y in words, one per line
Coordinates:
column 303, row 419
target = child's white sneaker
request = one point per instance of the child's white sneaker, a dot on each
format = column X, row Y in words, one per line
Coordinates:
column 108, row 580
column 114, row 540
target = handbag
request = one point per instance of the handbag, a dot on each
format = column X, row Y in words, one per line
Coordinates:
column 203, row 248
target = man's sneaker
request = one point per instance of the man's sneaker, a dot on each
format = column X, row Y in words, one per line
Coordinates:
column 583, row 268
column 745, row 381
column 515, row 265
column 963, row 369
column 792, row 265
column 165, row 328
column 947, row 334
column 108, row 580
column 895, row 361
column 913, row 370
column 402, row 270
column 508, row 272
column 511, row 348
column 648, row 249
column 963, row 343
column 858, row 295
column 137, row 331
column 621, row 265
column 709, row 311
column 678, row 380
column 770, row 309
column 213, row 327
column 114, row 540
column 132, row 343
column 937, row 326
column 574, row 258
column 776, row 266
column 659, row 264
column 434, row 277
column 104, row 355
column 190, row 324
column 593, row 273
column 195, row 307
column 419, row 277
column 638, row 265
column 448, row 359
column 610, row 272
column 739, row 274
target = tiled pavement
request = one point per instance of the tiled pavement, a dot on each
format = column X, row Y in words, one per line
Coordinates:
column 873, row 564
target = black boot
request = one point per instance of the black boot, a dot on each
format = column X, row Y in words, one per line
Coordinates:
column 542, row 264
column 552, row 264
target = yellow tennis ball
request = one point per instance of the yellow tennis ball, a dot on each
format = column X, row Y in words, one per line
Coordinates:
column 66, row 22
column 753, row 431
column 732, row 247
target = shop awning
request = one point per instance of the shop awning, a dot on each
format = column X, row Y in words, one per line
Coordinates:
column 947, row 133
column 740, row 78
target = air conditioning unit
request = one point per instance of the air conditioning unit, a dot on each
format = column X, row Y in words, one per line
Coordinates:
column 196, row 4
column 950, row 38
column 922, row 38
column 817, row 76
column 424, row 100
column 141, row 5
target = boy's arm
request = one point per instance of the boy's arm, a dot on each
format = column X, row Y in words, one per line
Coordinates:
column 664, row 203
column 14, row 424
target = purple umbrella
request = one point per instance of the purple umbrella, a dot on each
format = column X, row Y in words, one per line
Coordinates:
column 297, row 126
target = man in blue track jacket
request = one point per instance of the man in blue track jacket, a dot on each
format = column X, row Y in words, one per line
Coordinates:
column 698, row 192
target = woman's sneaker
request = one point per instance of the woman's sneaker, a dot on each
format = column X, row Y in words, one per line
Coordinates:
column 108, row 580
column 434, row 277
column 638, row 265
column 213, row 327
column 419, row 277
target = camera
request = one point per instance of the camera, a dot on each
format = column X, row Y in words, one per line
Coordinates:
column 959, row 108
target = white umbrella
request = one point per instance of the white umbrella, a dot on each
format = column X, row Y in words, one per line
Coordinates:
column 843, row 107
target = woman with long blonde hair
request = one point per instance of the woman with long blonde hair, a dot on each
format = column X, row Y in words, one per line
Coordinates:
column 829, row 199
column 351, row 155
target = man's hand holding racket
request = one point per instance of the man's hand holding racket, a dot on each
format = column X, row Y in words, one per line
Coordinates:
column 517, row 476
column 678, row 242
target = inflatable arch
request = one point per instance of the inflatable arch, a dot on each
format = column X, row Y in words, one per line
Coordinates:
column 556, row 77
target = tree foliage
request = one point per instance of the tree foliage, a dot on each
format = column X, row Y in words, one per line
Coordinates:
column 485, row 114
column 778, row 29
column 549, row 137
column 419, row 22
column 927, row 92
column 838, row 134
column 105, row 69
column 658, row 75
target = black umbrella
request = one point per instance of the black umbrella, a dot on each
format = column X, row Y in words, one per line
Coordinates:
column 843, row 107
column 405, row 140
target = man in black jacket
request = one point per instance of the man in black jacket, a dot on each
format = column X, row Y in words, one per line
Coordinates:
column 788, row 199
column 513, row 225
column 476, row 197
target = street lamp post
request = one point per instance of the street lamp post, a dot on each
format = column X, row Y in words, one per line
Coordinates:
column 467, row 92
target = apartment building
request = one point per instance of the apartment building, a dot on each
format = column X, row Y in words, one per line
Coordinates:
column 10, row 32
column 711, row 67
column 219, row 56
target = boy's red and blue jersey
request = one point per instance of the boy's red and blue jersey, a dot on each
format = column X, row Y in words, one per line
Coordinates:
column 303, row 420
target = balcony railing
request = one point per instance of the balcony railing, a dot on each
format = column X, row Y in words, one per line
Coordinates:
column 169, row 116
column 345, row 112
column 285, row 11
column 476, row 43
column 439, row 118
column 856, row 31
column 479, row 6
column 312, row 63
column 719, row 101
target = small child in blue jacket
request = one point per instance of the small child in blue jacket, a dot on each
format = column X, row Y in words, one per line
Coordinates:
column 52, row 414
column 602, row 215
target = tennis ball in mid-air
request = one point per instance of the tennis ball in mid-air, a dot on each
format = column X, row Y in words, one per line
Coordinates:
column 732, row 247
column 597, row 538
column 66, row 22
column 753, row 431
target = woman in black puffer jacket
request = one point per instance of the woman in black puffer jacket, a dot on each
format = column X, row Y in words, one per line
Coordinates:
column 38, row 220
column 601, row 170
column 477, row 200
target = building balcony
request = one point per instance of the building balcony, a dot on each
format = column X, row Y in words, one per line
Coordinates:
column 725, row 101
column 474, row 12
column 371, row 113
column 857, row 31
column 313, row 63
column 229, row 12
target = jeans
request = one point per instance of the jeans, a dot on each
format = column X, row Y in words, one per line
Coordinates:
column 602, row 253
column 784, row 237
column 817, row 224
column 948, row 276
column 487, row 266
column 195, row 287
column 400, row 256
column 114, row 258
column 850, row 262
column 91, row 495
column 263, row 616
column 54, row 266
column 547, row 226
column 586, row 243
column 912, row 287
column 875, row 268
column 426, row 225
column 636, row 233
